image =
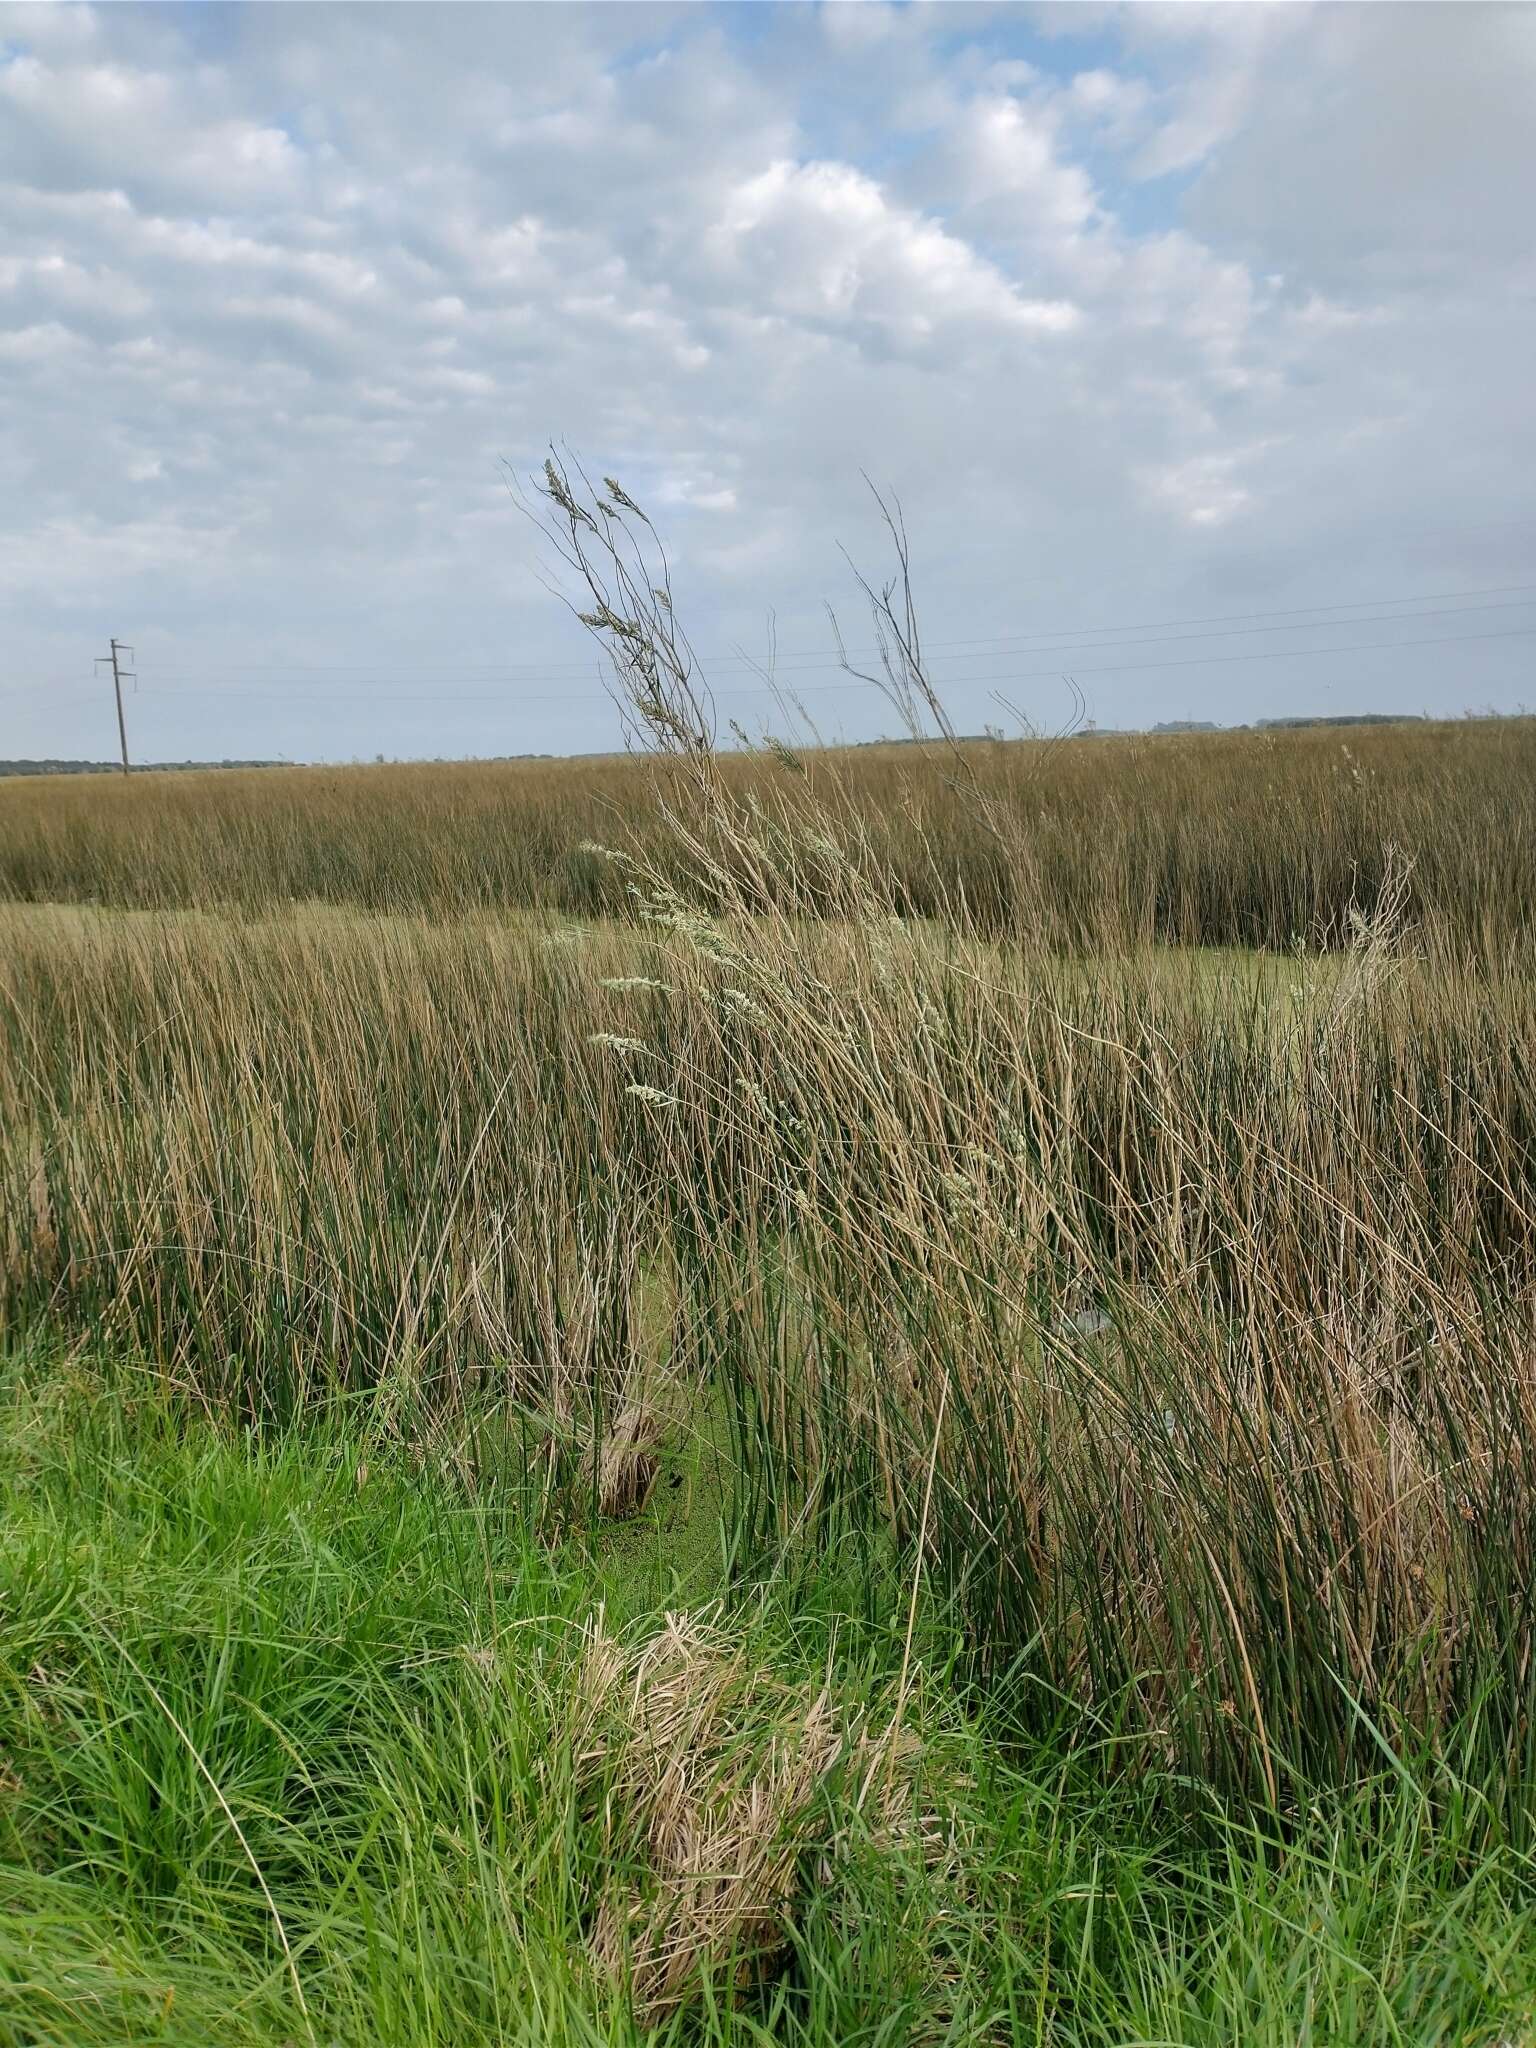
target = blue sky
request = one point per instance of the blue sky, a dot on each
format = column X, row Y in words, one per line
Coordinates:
column 1194, row 339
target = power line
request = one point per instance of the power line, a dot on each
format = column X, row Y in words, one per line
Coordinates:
column 1064, row 647
column 432, row 686
column 764, row 690
column 814, row 659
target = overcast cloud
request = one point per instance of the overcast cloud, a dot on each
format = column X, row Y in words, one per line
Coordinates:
column 1149, row 315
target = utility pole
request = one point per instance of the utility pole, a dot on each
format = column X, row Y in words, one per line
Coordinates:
column 118, row 676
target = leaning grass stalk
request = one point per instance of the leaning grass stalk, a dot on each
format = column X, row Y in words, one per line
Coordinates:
column 229, row 1814
column 442, row 1243
column 903, row 1683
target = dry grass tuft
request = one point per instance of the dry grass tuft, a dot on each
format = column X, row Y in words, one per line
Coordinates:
column 719, row 1786
column 627, row 1463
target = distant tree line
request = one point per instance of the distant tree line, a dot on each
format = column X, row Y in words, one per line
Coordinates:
column 115, row 767
column 1279, row 724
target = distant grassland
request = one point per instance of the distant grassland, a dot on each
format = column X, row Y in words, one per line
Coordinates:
column 1228, row 839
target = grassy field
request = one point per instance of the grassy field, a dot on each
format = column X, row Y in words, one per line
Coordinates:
column 1242, row 838
column 773, row 1398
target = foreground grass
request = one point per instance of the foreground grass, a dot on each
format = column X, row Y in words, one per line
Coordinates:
column 288, row 1749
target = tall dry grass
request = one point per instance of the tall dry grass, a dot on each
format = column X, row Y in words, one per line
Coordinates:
column 1205, row 1295
column 1218, row 839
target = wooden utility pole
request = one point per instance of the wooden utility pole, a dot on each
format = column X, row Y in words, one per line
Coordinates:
column 115, row 657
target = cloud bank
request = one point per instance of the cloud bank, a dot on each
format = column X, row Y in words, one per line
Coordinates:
column 1154, row 318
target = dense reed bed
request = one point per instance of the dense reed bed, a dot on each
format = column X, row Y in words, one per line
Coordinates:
column 1240, row 838
column 1177, row 1311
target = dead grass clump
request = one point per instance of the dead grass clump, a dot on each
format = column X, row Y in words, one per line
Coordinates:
column 719, row 1787
column 627, row 1461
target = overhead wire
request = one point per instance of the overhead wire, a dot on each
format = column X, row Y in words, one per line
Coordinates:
column 1075, row 670
column 437, row 688
column 1024, row 641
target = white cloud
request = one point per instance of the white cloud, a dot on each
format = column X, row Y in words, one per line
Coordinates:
column 1009, row 151
column 42, row 343
column 1207, row 490
column 823, row 241
column 854, row 25
column 61, row 27
column 81, row 117
column 464, row 383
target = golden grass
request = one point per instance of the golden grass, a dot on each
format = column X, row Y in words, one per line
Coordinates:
column 833, row 1170
column 1217, row 839
column 720, row 1789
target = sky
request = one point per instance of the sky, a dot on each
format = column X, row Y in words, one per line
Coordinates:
column 1196, row 343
